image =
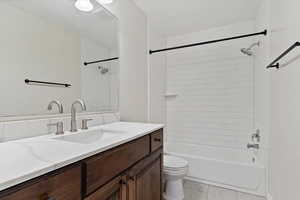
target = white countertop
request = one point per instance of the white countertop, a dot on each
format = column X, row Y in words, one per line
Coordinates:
column 25, row 159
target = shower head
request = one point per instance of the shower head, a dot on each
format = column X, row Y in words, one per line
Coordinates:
column 103, row 70
column 248, row 51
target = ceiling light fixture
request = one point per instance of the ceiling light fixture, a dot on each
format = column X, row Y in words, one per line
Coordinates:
column 84, row 5
column 105, row 1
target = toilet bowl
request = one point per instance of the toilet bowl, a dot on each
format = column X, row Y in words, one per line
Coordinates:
column 175, row 169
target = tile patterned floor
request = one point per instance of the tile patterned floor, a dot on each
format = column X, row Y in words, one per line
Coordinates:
column 198, row 191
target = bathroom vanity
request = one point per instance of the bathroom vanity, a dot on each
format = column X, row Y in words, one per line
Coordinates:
column 125, row 166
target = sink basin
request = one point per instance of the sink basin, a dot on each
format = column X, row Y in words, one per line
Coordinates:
column 89, row 137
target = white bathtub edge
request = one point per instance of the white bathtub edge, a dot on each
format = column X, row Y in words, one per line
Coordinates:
column 227, row 187
column 269, row 197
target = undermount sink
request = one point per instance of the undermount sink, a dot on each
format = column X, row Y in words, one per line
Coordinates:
column 89, row 137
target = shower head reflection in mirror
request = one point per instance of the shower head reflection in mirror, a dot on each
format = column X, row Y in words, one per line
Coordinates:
column 103, row 70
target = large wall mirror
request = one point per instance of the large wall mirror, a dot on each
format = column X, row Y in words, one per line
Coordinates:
column 49, row 41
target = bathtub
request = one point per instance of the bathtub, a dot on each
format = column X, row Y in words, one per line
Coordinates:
column 224, row 167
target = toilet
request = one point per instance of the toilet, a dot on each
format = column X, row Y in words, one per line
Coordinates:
column 175, row 169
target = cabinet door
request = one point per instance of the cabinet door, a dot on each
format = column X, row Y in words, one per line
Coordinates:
column 114, row 190
column 148, row 182
column 101, row 168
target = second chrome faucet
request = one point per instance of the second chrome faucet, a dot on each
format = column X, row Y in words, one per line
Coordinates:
column 58, row 104
column 73, row 113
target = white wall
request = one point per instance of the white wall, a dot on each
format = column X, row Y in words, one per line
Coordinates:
column 285, row 98
column 157, row 78
column 262, row 75
column 114, row 73
column 133, row 60
column 263, row 82
column 280, row 96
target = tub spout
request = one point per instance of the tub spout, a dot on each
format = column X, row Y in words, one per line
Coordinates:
column 253, row 146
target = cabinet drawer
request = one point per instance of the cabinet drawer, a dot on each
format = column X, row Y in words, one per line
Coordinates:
column 102, row 168
column 156, row 140
column 63, row 186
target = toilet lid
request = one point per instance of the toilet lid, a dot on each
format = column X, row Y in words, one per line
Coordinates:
column 174, row 162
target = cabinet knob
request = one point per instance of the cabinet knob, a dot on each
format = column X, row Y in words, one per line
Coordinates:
column 123, row 182
column 46, row 197
column 157, row 139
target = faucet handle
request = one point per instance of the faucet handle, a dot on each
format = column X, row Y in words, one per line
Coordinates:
column 256, row 136
column 84, row 125
column 59, row 127
column 253, row 146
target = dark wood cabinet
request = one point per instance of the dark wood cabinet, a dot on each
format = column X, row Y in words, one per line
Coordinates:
column 114, row 190
column 101, row 168
column 148, row 183
column 132, row 171
column 62, row 185
column 145, row 178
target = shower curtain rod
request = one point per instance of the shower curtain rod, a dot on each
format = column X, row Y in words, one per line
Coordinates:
column 100, row 61
column 209, row 42
column 275, row 63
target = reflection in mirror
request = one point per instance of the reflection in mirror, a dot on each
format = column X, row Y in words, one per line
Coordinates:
column 49, row 41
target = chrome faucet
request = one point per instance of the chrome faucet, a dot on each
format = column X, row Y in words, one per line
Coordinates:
column 59, row 105
column 73, row 113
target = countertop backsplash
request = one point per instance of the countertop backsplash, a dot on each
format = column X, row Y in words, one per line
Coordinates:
column 14, row 130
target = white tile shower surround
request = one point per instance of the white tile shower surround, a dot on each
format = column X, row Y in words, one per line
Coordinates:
column 37, row 127
column 200, row 191
column 217, row 84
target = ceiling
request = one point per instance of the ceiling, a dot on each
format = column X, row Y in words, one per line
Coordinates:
column 175, row 17
column 98, row 25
